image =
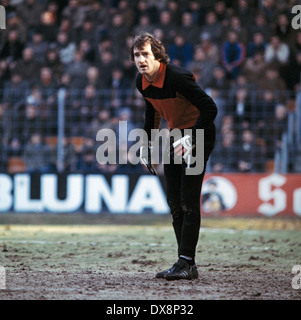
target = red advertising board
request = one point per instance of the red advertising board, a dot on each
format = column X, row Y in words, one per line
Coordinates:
column 252, row 194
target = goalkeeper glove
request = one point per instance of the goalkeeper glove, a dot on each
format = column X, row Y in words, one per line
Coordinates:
column 145, row 158
column 183, row 148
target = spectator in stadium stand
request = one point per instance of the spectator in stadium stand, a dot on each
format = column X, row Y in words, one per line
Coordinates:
column 48, row 26
column 240, row 110
column 117, row 33
column 75, row 12
column 66, row 48
column 30, row 11
column 276, row 52
column 87, row 32
column 232, row 55
column 87, row 50
column 129, row 69
column 250, row 156
column 219, row 79
column 255, row 67
column 168, row 28
column 180, row 51
column 224, row 154
column 145, row 8
column 77, row 69
column 190, row 29
column 37, row 155
column 283, row 29
column 52, row 61
column 174, row 8
column 211, row 49
column 263, row 109
column 15, row 147
column 12, row 48
column 245, row 11
column 292, row 72
column 235, row 24
column 89, row 106
column 118, row 84
column 86, row 162
column 204, row 67
column 125, row 9
column 28, row 67
column 104, row 119
column 256, row 44
column 69, row 156
column 197, row 9
column 93, row 77
column 105, row 65
column 39, row 46
column 5, row 126
column 47, row 86
column 31, row 120
column 270, row 10
column 144, row 25
column 213, row 27
column 296, row 46
column 272, row 81
column 221, row 12
column 276, row 125
column 14, row 22
column 15, row 91
column 260, row 25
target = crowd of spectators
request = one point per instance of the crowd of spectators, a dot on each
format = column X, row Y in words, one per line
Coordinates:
column 244, row 53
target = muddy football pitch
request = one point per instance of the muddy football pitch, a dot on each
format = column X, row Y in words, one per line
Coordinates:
column 115, row 257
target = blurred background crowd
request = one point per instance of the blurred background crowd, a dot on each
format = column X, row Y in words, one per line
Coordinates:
column 245, row 54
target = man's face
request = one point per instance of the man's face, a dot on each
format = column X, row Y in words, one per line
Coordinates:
column 146, row 62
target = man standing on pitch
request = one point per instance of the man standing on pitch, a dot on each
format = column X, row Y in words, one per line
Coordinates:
column 171, row 92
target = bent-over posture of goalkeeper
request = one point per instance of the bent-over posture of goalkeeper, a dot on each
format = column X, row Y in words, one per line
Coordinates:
column 171, row 92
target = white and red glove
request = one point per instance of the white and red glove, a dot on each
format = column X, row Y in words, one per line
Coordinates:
column 183, row 148
column 145, row 158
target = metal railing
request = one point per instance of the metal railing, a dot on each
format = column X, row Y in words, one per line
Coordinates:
column 56, row 131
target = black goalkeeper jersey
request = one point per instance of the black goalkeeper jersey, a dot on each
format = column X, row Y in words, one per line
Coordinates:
column 175, row 96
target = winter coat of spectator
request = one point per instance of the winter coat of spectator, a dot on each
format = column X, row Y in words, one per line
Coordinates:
column 181, row 51
column 250, row 157
column 15, row 90
column 276, row 52
column 284, row 30
column 213, row 27
column 223, row 158
column 210, row 48
column 66, row 48
column 48, row 27
column 292, row 72
column 37, row 155
column 260, row 25
column 233, row 55
column 77, row 70
column 255, row 67
column 168, row 28
column 30, row 11
column 202, row 66
column 75, row 12
column 190, row 29
column 117, row 33
column 39, row 46
column 28, row 67
column 257, row 44
column 52, row 61
column 12, row 48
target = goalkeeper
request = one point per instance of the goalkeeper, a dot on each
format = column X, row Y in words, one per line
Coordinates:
column 171, row 92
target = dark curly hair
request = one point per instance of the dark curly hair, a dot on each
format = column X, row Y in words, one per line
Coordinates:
column 156, row 45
